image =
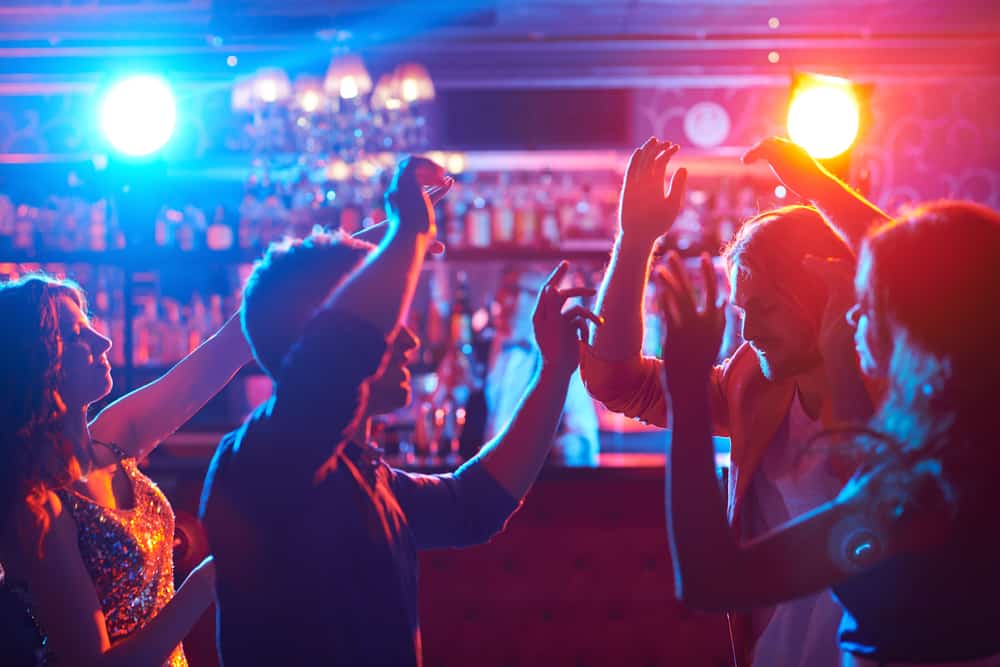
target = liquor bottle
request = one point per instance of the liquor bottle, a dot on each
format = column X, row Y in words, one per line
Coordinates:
column 456, row 206
column 550, row 230
column 219, row 235
column 525, row 220
column 478, row 222
column 458, row 375
column 24, row 224
column 7, row 216
column 97, row 231
column 567, row 197
column 503, row 214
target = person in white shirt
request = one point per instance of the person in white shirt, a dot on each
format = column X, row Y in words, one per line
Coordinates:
column 513, row 360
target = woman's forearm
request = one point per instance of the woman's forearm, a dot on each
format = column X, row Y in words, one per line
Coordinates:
column 700, row 541
column 847, row 211
column 153, row 643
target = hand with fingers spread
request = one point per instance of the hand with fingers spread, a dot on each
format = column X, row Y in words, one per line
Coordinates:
column 417, row 185
column 557, row 332
column 647, row 211
column 693, row 332
column 792, row 164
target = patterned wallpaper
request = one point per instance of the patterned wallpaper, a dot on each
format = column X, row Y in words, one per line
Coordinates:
column 924, row 140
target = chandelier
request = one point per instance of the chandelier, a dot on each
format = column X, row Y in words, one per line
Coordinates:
column 341, row 116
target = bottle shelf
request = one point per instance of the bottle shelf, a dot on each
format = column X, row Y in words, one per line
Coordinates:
column 151, row 260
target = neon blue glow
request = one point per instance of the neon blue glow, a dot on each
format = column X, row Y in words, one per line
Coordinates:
column 138, row 115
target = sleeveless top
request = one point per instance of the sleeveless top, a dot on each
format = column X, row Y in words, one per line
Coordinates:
column 128, row 553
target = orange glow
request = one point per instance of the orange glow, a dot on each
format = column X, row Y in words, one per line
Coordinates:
column 824, row 116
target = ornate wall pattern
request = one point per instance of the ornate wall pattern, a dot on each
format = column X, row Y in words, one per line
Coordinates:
column 932, row 141
column 924, row 140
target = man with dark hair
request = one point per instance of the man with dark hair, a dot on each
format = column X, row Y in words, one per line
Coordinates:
column 314, row 536
column 795, row 374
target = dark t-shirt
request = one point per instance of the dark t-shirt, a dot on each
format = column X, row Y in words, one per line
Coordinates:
column 314, row 537
column 936, row 605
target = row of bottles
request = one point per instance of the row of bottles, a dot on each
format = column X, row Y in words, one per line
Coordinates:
column 64, row 224
column 501, row 211
column 165, row 329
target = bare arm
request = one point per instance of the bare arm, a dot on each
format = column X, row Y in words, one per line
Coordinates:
column 847, row 211
column 377, row 294
column 69, row 610
column 516, row 456
column 380, row 291
column 645, row 214
column 140, row 420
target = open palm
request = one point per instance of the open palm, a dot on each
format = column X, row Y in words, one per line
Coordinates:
column 646, row 210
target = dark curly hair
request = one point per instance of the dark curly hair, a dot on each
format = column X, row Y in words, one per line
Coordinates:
column 289, row 284
column 34, row 457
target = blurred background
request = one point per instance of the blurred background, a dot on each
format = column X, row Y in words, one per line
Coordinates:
column 151, row 149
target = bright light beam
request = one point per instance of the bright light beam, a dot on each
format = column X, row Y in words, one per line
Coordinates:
column 138, row 114
column 823, row 116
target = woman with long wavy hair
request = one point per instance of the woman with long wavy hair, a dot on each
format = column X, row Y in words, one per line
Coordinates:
column 85, row 537
column 910, row 545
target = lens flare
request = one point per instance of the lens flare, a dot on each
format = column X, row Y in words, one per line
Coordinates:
column 138, row 115
column 823, row 117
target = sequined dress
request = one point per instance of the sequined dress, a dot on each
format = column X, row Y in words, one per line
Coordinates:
column 129, row 554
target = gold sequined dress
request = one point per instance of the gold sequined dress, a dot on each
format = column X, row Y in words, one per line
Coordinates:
column 129, row 554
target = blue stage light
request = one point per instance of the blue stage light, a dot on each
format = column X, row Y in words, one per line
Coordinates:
column 138, row 115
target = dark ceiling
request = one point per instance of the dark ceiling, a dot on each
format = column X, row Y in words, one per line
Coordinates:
column 508, row 42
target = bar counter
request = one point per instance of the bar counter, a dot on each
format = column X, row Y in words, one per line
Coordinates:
column 580, row 576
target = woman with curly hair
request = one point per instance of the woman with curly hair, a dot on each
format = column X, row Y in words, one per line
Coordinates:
column 85, row 537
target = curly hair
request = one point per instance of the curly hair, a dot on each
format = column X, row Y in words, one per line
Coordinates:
column 288, row 284
column 35, row 457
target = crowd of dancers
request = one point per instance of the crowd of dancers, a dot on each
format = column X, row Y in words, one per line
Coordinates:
column 857, row 408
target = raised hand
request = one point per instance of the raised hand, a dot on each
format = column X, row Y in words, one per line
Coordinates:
column 792, row 164
column 693, row 333
column 646, row 210
column 557, row 332
column 417, row 184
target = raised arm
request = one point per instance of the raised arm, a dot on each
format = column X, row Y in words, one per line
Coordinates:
column 847, row 211
column 818, row 550
column 472, row 504
column 613, row 368
column 143, row 418
column 645, row 214
column 67, row 605
column 380, row 291
column 345, row 340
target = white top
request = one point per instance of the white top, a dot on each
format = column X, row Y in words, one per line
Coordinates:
column 791, row 481
column 512, row 368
